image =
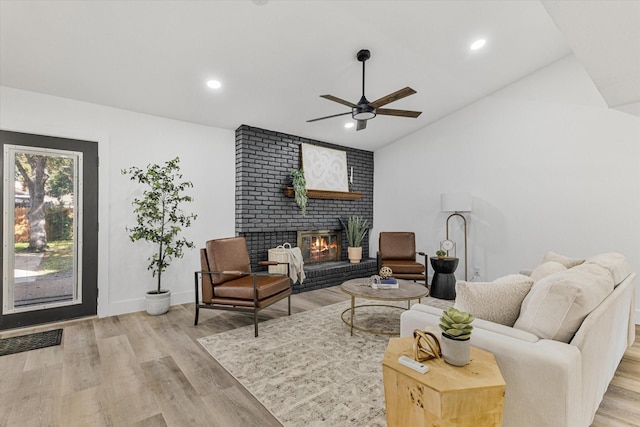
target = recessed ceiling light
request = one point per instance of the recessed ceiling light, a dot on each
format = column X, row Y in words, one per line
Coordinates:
column 348, row 125
column 478, row 44
column 214, row 84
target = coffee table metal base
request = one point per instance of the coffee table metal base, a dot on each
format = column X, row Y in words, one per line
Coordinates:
column 361, row 288
column 352, row 311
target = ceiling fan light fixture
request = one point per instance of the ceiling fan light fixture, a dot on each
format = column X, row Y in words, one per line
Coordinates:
column 363, row 112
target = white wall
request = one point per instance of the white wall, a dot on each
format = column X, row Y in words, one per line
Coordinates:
column 549, row 167
column 207, row 157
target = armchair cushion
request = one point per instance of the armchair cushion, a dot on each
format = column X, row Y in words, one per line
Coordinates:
column 227, row 255
column 242, row 287
column 399, row 266
column 397, row 245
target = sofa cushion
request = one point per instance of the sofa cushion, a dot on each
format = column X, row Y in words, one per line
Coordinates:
column 498, row 301
column 566, row 261
column 557, row 304
column 545, row 269
column 615, row 263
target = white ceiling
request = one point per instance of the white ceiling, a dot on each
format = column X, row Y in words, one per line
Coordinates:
column 274, row 60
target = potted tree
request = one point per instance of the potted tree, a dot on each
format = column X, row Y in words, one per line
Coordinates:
column 456, row 336
column 160, row 220
column 357, row 228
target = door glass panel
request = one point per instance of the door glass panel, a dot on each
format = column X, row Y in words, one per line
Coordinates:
column 42, row 222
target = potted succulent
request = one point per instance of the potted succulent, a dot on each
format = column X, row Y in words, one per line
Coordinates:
column 160, row 220
column 300, row 189
column 441, row 254
column 456, row 336
column 357, row 228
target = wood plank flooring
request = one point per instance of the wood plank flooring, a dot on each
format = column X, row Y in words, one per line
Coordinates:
column 140, row 370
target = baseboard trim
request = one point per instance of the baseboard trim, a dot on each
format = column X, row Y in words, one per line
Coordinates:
column 138, row 304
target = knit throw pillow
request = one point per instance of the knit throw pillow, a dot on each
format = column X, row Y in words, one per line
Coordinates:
column 498, row 301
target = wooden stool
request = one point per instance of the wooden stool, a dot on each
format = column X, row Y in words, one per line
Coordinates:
column 472, row 395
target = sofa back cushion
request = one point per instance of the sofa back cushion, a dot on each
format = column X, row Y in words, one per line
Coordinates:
column 564, row 260
column 615, row 263
column 498, row 301
column 557, row 304
column 545, row 269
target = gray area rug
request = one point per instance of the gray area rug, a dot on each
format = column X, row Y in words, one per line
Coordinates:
column 30, row 342
column 307, row 370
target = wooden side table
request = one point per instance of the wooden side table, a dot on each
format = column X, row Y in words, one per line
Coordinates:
column 472, row 395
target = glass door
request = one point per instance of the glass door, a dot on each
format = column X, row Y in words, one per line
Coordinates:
column 44, row 230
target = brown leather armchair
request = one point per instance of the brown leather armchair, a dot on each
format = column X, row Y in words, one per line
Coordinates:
column 228, row 284
column 397, row 250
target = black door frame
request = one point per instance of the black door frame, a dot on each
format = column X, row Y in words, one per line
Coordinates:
column 89, row 304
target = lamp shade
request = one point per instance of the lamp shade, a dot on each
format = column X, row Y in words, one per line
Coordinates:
column 455, row 202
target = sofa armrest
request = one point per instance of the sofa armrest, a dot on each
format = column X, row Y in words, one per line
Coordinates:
column 603, row 339
column 544, row 379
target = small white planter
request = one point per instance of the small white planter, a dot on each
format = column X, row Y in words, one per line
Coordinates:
column 355, row 254
column 456, row 352
column 158, row 304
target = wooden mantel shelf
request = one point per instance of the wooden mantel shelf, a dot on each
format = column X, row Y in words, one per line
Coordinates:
column 323, row 194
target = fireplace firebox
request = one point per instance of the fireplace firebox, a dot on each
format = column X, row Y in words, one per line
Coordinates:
column 320, row 245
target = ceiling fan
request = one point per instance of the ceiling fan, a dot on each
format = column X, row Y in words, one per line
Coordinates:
column 366, row 110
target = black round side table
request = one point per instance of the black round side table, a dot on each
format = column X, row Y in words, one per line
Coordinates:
column 443, row 284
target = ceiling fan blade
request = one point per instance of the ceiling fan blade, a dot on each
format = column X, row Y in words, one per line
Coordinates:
column 338, row 100
column 362, row 124
column 399, row 113
column 402, row 93
column 328, row 117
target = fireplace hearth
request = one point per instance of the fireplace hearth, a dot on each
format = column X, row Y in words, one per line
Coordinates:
column 320, row 245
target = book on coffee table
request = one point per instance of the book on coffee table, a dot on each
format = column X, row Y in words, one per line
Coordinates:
column 389, row 283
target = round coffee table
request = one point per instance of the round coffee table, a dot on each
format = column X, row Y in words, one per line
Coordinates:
column 361, row 288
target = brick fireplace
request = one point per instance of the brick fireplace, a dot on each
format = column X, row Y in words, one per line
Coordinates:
column 266, row 217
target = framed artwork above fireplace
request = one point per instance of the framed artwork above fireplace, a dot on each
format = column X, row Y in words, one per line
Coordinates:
column 324, row 168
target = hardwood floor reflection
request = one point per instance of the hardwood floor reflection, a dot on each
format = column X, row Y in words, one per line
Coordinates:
column 139, row 370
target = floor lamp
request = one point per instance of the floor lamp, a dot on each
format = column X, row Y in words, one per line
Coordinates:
column 456, row 203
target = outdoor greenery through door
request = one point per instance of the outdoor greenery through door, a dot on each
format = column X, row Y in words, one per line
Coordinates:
column 49, row 250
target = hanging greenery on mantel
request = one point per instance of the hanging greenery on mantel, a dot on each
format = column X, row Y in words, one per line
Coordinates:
column 300, row 189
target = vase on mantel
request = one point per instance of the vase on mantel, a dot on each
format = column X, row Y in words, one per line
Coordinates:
column 355, row 254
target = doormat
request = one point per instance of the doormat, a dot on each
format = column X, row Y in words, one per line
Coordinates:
column 30, row 342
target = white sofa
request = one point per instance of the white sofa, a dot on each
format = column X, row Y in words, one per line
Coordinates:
column 550, row 382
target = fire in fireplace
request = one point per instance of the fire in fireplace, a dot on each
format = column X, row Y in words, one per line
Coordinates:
column 319, row 245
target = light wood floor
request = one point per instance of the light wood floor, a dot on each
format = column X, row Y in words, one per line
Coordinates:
column 139, row 370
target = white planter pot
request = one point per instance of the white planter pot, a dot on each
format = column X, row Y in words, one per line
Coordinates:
column 355, row 254
column 456, row 352
column 158, row 304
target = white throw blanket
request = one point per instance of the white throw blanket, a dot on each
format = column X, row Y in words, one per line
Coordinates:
column 296, row 265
